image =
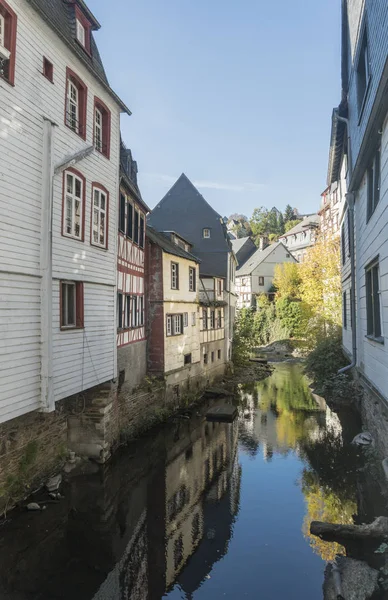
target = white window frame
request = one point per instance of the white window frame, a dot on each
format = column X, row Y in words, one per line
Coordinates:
column 81, row 32
column 65, row 285
column 2, row 30
column 177, row 324
column 72, row 101
column 98, row 123
column 206, row 233
column 70, row 201
column 193, row 319
column 192, row 279
column 212, row 319
column 100, row 213
column 185, row 319
column 174, row 276
column 128, row 312
column 169, row 325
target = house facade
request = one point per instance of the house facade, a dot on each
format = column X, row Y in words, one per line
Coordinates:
column 183, row 209
column 302, row 237
column 131, row 317
column 361, row 140
column 173, row 312
column 255, row 276
column 60, row 140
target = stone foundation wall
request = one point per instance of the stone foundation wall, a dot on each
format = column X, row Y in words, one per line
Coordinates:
column 131, row 365
column 374, row 413
column 32, row 447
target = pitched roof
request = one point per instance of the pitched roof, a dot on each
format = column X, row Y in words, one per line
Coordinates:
column 337, row 140
column 60, row 16
column 257, row 258
column 185, row 210
column 239, row 243
column 306, row 223
column 167, row 245
column 243, row 249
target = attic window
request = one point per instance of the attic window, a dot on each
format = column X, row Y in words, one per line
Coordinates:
column 206, row 233
column 82, row 29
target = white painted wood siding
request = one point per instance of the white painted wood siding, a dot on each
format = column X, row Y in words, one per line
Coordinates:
column 372, row 241
column 22, row 110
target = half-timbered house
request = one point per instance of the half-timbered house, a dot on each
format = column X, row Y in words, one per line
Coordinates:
column 131, row 329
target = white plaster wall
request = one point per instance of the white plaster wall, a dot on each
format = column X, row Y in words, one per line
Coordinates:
column 266, row 269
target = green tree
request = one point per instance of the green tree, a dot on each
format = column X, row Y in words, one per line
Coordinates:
column 288, row 213
column 281, row 229
column 273, row 222
column 260, row 221
column 287, row 281
column 290, row 224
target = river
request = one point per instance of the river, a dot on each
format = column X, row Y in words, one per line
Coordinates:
column 197, row 510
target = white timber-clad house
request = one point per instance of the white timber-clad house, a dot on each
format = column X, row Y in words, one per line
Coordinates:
column 360, row 139
column 59, row 188
column 255, row 276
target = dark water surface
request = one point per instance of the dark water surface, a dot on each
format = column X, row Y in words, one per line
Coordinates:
column 197, row 510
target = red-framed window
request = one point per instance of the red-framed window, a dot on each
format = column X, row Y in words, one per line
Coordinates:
column 75, row 105
column 71, row 304
column 82, row 30
column 48, row 69
column 73, row 204
column 8, row 25
column 101, row 127
column 99, row 221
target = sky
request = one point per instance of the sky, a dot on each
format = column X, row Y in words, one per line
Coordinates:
column 237, row 95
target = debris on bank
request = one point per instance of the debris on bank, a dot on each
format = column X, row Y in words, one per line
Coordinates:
column 355, row 579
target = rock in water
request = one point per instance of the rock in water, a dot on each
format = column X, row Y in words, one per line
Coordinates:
column 363, row 439
column 33, row 506
column 53, row 483
column 359, row 581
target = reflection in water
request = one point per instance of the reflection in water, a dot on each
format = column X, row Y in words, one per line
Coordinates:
column 196, row 499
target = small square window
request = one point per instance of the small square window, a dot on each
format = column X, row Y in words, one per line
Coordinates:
column 72, row 305
column 206, row 233
column 261, row 280
column 48, row 69
column 219, row 354
column 187, row 359
column 212, row 356
column 205, row 359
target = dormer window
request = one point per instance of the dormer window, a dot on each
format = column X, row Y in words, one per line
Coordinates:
column 8, row 21
column 80, row 33
column 82, row 29
column 206, row 233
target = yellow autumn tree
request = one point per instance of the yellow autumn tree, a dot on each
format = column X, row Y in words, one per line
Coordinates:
column 287, row 280
column 320, row 287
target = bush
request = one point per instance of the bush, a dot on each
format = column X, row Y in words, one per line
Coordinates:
column 325, row 360
column 244, row 338
column 294, row 316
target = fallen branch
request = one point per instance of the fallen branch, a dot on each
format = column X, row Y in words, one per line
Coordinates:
column 332, row 532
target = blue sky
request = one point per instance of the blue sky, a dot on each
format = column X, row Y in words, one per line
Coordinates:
column 238, row 95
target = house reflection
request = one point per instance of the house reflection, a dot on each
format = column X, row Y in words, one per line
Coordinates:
column 162, row 511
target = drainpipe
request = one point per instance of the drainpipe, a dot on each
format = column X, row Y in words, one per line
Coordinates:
column 46, row 366
column 349, row 202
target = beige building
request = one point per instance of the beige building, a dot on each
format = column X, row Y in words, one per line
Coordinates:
column 173, row 311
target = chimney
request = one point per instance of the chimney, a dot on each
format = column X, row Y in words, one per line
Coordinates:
column 263, row 242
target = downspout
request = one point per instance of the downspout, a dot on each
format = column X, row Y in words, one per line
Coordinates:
column 349, row 202
column 46, row 364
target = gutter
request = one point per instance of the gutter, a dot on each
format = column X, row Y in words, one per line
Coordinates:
column 349, row 202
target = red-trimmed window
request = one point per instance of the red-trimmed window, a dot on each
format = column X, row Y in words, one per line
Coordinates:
column 99, row 219
column 101, row 129
column 71, row 304
column 8, row 22
column 76, row 95
column 82, row 29
column 48, row 69
column 73, row 217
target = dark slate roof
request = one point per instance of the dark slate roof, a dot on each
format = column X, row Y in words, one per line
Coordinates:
column 60, row 16
column 311, row 221
column 184, row 210
column 128, row 174
column 243, row 249
column 167, row 245
column 337, row 140
column 257, row 258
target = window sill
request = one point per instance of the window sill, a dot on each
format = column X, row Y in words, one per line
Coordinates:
column 71, row 327
column 124, row 329
column 11, row 83
column 80, row 135
column 378, row 340
column 99, row 247
column 106, row 155
column 48, row 78
column 174, row 334
column 80, row 44
column 72, row 237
